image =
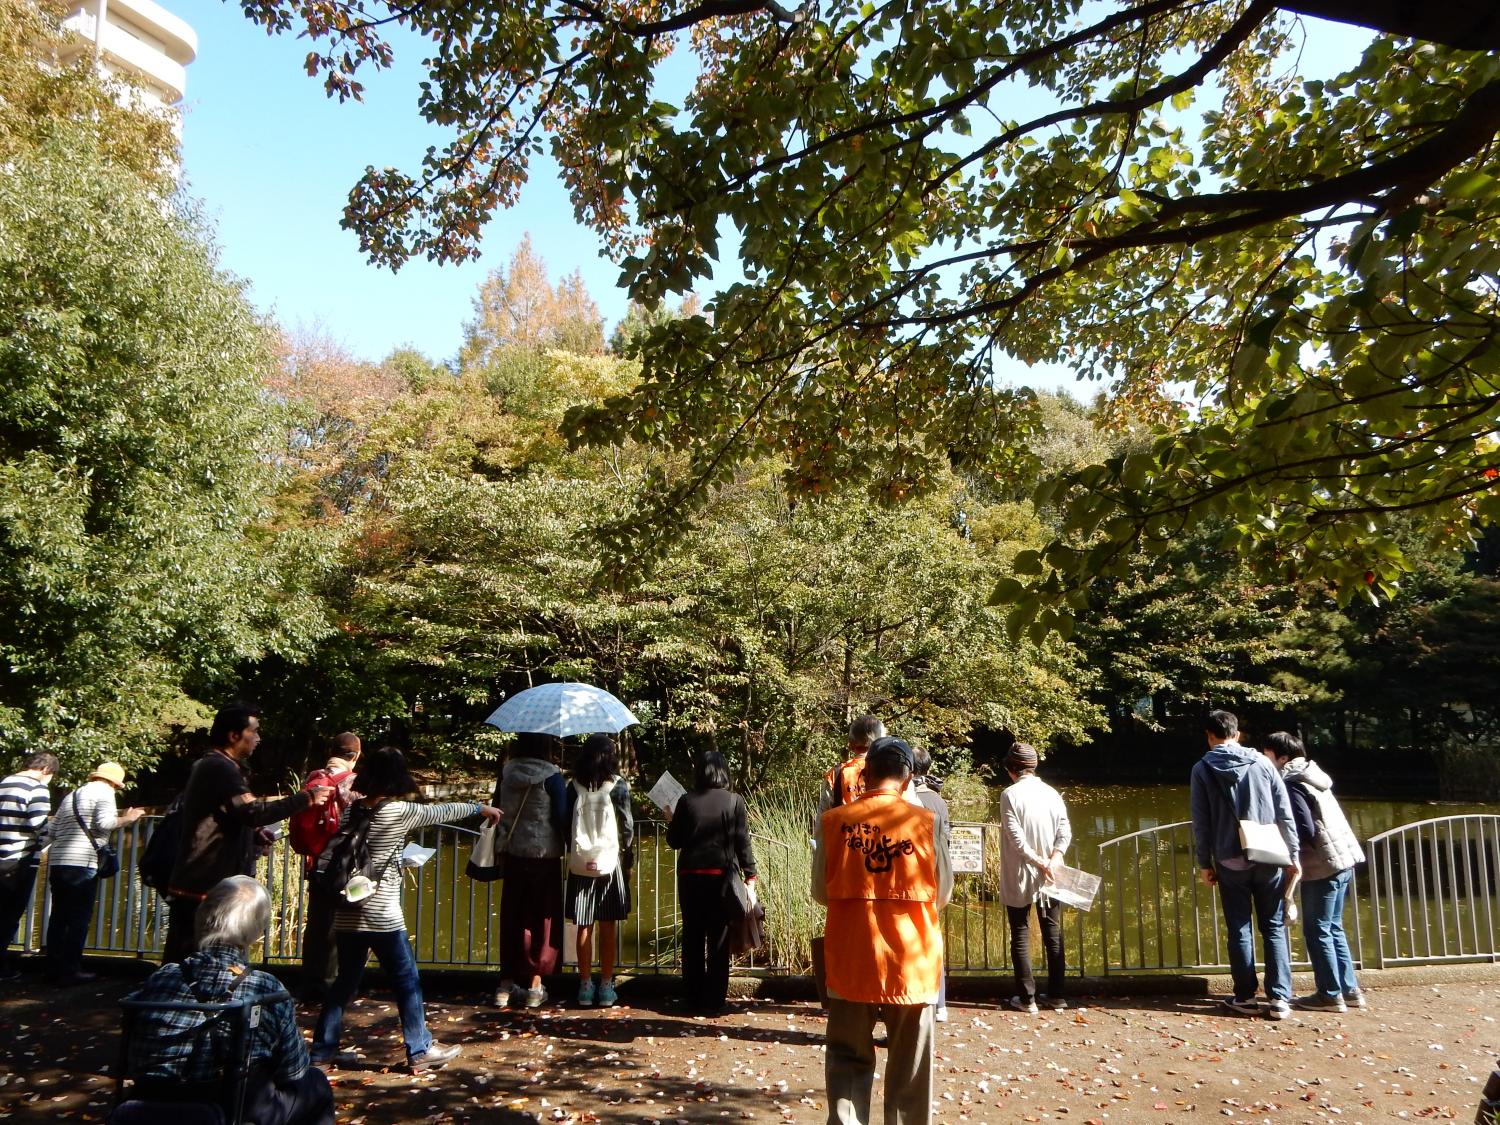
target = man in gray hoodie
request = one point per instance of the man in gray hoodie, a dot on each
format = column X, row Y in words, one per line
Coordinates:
column 1231, row 784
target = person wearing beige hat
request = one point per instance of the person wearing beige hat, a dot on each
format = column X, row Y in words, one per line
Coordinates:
column 82, row 825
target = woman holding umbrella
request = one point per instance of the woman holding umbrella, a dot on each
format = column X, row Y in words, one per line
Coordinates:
column 534, row 798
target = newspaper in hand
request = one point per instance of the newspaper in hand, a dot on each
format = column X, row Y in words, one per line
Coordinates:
column 1072, row 887
column 666, row 792
column 414, row 855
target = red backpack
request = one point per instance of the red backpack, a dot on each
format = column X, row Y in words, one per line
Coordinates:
column 310, row 829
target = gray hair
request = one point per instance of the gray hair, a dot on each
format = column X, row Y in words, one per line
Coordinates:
column 236, row 912
column 866, row 731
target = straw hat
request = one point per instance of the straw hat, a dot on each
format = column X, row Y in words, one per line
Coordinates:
column 112, row 772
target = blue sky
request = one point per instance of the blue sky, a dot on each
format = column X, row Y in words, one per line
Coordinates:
column 272, row 159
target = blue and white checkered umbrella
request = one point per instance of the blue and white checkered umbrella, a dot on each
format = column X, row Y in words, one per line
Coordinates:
column 563, row 710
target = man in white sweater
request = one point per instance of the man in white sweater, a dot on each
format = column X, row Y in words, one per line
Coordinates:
column 1034, row 835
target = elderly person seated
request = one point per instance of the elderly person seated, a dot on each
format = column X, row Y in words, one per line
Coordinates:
column 283, row 1089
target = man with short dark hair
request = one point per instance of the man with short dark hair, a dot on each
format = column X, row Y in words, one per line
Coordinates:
column 1231, row 784
column 219, row 819
column 172, row 1051
column 25, row 805
column 880, row 867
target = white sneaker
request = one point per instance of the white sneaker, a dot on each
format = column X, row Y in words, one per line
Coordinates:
column 940, row 1015
column 1278, row 1010
column 1023, row 1005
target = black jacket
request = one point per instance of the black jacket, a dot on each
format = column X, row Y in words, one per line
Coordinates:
column 710, row 830
column 219, row 818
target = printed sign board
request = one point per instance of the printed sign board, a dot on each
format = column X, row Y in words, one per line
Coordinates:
column 966, row 849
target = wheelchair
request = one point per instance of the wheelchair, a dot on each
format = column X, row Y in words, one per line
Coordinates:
column 224, row 1032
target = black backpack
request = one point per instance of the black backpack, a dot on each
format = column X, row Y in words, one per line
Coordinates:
column 347, row 854
column 159, row 856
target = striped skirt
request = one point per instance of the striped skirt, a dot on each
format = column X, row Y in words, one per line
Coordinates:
column 597, row 898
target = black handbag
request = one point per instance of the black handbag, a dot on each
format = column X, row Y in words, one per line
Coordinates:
column 747, row 917
column 105, row 854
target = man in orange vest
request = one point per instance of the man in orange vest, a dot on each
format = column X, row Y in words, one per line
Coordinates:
column 881, row 867
column 842, row 783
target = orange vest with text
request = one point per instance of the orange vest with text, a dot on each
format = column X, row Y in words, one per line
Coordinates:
column 847, row 780
column 883, row 942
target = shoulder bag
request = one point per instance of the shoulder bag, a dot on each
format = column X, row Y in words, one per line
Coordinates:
column 486, row 861
column 105, row 854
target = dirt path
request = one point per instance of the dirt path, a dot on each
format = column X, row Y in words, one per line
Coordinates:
column 1420, row 1053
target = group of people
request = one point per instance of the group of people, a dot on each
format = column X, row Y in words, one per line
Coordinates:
column 77, row 842
column 1234, row 790
column 881, row 865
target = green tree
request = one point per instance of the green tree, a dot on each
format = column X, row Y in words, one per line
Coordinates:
column 1148, row 192
column 133, row 463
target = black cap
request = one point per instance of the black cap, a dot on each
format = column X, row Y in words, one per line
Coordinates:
column 888, row 752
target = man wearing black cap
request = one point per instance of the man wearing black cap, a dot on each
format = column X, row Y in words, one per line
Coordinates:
column 880, row 866
column 1034, row 835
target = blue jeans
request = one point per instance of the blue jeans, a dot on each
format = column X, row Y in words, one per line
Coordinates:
column 1256, row 895
column 1323, row 930
column 393, row 951
column 73, row 891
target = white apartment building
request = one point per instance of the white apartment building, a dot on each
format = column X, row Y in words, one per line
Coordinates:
column 136, row 39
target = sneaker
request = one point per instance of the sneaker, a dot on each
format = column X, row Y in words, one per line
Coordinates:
column 434, row 1058
column 1317, row 1002
column 1278, row 1010
column 338, row 1058
column 505, row 995
column 606, row 997
column 536, row 997
column 940, row 1015
column 1356, row 999
column 1021, row 1004
column 586, row 993
column 1052, row 1005
column 1250, row 1007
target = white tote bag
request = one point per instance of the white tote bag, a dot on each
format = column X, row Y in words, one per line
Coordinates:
column 1263, row 844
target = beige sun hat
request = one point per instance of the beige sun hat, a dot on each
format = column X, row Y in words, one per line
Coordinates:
column 112, row 772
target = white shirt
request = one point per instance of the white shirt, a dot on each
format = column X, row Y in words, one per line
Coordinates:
column 1033, row 825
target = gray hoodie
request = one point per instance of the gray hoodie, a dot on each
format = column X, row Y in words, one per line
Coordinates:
column 1230, row 784
column 534, row 830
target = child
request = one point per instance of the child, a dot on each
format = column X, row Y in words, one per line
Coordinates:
column 599, row 859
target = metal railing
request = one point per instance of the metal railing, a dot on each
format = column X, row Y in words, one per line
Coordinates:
column 1429, row 893
column 1426, row 894
column 1433, row 887
column 453, row 920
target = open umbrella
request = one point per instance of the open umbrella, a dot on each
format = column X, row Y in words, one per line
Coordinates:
column 563, row 709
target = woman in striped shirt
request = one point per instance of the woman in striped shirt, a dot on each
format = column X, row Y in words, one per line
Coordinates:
column 375, row 924
column 85, row 818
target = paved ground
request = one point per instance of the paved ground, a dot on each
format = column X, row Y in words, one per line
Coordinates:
column 1421, row 1052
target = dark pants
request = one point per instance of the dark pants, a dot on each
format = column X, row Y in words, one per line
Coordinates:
column 73, row 891
column 15, row 896
column 319, row 962
column 393, row 950
column 182, row 936
column 705, row 938
column 307, row 1101
column 1049, row 914
column 531, row 919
